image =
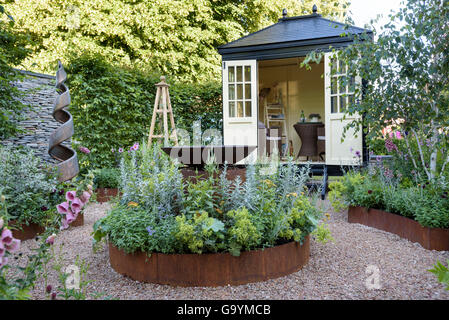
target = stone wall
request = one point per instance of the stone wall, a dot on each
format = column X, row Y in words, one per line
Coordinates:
column 39, row 122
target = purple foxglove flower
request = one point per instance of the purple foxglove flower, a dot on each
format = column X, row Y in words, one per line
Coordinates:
column 70, row 217
column 70, row 195
column 64, row 224
column 76, row 206
column 51, row 239
column 398, row 135
column 14, row 246
column 3, row 261
column 2, row 249
column 85, row 197
column 6, row 236
column 63, row 207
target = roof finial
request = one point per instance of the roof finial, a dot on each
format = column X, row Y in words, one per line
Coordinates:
column 284, row 13
column 314, row 9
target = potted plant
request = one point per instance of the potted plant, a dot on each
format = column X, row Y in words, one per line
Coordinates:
column 314, row 117
column 106, row 183
column 30, row 189
column 207, row 232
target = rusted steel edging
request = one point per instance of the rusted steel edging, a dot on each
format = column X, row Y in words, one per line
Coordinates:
column 429, row 238
column 211, row 269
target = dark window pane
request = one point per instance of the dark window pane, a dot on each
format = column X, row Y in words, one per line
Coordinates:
column 231, row 92
column 351, row 85
column 247, row 91
column 240, row 91
column 247, row 73
column 334, row 107
column 248, row 109
column 334, row 85
column 240, row 109
column 341, row 67
column 342, row 103
column 239, row 74
column 333, row 66
column 231, row 109
column 342, row 84
column 231, row 74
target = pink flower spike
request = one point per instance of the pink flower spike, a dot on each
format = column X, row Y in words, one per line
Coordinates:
column 70, row 217
column 3, row 261
column 84, row 150
column 64, row 224
column 63, row 208
column 6, row 236
column 51, row 239
column 2, row 249
column 398, row 135
column 14, row 246
column 70, row 195
column 77, row 204
column 85, row 197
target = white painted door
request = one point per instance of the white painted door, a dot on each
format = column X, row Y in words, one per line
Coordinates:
column 240, row 104
column 337, row 96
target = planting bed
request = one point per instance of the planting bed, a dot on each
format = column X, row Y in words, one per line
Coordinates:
column 26, row 232
column 429, row 238
column 106, row 194
column 213, row 269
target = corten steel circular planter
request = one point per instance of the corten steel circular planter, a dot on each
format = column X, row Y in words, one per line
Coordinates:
column 26, row 232
column 79, row 221
column 429, row 238
column 211, row 269
column 106, row 194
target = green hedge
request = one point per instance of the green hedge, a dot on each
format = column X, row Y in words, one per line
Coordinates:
column 112, row 106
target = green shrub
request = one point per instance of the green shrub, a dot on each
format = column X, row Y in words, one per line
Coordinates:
column 107, row 178
column 27, row 185
column 426, row 203
column 209, row 215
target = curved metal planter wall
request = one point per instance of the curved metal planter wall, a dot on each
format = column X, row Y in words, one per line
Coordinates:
column 68, row 167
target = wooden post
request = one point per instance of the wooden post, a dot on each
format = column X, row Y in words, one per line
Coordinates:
column 162, row 93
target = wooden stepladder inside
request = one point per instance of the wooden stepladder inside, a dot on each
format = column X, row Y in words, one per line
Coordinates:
column 162, row 108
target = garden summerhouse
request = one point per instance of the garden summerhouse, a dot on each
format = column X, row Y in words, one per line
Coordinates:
column 265, row 89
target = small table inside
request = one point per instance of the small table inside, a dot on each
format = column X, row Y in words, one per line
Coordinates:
column 307, row 132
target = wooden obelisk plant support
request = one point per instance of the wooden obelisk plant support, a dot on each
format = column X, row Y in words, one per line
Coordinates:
column 163, row 108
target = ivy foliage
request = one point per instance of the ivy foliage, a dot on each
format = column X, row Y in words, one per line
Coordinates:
column 173, row 37
column 112, row 106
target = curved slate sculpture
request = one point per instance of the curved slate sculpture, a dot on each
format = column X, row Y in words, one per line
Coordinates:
column 68, row 167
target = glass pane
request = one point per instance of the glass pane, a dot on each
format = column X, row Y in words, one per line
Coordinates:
column 342, row 103
column 341, row 67
column 247, row 91
column 239, row 74
column 351, row 85
column 232, row 92
column 333, row 66
column 231, row 109
column 350, row 100
column 342, row 84
column 240, row 91
column 247, row 73
column 334, row 107
column 240, row 109
column 248, row 109
column 231, row 74
column 334, row 85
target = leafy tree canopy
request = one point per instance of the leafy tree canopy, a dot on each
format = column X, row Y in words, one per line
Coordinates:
column 172, row 37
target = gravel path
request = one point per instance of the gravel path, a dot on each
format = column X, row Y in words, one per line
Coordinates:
column 335, row 270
